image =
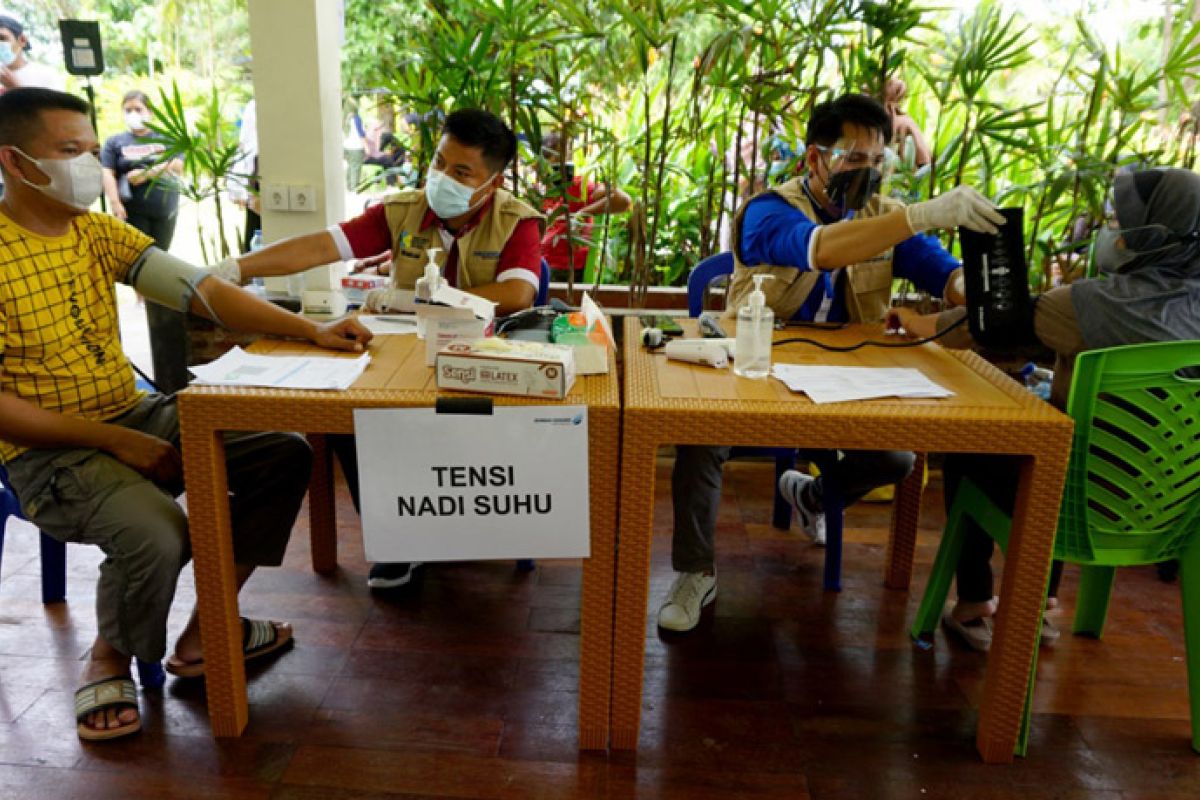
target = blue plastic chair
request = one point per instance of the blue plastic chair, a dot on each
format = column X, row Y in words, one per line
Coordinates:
column 701, row 277
column 54, row 573
column 543, row 292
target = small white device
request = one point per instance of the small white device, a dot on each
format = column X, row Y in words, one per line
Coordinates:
column 709, row 352
column 316, row 301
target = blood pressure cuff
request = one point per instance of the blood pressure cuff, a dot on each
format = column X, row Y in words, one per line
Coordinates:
column 165, row 279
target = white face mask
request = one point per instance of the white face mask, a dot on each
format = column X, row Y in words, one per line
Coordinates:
column 7, row 54
column 77, row 181
column 135, row 121
column 447, row 197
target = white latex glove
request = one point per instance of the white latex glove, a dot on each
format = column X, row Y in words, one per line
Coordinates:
column 230, row 270
column 962, row 205
column 378, row 301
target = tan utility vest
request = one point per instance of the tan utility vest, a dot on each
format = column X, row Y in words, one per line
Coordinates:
column 478, row 249
column 869, row 289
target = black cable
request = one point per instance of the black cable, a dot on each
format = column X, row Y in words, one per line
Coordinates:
column 145, row 377
column 871, row 342
column 821, row 326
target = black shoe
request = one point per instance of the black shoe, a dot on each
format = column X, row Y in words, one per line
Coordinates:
column 391, row 575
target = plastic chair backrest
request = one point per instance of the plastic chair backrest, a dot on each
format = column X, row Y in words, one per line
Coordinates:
column 543, row 292
column 9, row 504
column 1132, row 493
column 704, row 274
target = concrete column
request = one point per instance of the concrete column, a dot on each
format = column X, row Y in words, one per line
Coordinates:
column 296, row 63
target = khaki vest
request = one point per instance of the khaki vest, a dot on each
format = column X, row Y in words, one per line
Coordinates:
column 478, row 249
column 868, row 293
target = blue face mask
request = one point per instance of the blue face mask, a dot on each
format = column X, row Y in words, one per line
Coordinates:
column 7, row 54
column 447, row 197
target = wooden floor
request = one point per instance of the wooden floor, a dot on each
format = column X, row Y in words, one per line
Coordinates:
column 464, row 685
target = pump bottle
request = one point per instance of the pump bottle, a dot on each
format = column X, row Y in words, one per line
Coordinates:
column 427, row 284
column 755, row 330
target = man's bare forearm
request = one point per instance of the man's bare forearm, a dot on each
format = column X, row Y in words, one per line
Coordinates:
column 510, row 296
column 240, row 310
column 290, row 256
column 30, row 425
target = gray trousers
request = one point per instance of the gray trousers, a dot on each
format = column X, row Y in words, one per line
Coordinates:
column 696, row 493
column 84, row 495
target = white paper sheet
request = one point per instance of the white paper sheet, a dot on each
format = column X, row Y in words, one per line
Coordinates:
column 841, row 384
column 389, row 324
column 239, row 368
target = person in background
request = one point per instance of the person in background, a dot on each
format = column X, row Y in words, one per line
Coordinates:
column 584, row 200
column 141, row 190
column 94, row 459
column 383, row 148
column 354, row 146
column 15, row 69
column 243, row 176
column 906, row 136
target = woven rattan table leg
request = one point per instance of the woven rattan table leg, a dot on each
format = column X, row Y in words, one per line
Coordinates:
column 633, row 575
column 599, row 579
column 322, row 512
column 1026, row 569
column 216, row 584
column 906, row 515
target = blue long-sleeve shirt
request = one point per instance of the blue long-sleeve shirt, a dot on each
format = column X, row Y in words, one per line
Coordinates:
column 776, row 233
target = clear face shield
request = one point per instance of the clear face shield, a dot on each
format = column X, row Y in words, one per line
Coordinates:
column 855, row 173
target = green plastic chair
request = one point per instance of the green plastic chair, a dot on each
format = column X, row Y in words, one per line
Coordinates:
column 1132, row 493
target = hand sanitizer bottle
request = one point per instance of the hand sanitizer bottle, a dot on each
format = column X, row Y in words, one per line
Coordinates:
column 427, row 284
column 755, row 330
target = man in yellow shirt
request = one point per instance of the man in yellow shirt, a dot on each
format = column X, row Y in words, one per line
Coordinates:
column 92, row 458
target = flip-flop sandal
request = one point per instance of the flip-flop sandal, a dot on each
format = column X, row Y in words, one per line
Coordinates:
column 259, row 637
column 110, row 693
column 1049, row 632
column 977, row 633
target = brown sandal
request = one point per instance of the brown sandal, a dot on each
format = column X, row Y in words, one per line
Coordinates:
column 110, row 693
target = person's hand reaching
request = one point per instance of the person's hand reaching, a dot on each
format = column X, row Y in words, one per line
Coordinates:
column 962, row 205
column 343, row 334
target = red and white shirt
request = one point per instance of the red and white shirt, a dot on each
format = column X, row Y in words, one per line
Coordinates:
column 368, row 235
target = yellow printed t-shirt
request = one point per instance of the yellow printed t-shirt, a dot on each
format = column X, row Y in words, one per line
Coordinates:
column 59, row 333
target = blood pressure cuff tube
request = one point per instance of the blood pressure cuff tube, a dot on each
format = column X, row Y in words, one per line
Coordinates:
column 165, row 279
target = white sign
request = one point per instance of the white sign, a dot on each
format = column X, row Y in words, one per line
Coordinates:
column 465, row 487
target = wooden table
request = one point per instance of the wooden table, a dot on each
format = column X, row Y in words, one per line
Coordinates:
column 396, row 378
column 675, row 403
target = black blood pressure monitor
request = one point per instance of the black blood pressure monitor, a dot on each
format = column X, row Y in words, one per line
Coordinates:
column 999, row 309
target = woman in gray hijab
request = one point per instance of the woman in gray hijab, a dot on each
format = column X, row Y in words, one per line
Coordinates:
column 1148, row 291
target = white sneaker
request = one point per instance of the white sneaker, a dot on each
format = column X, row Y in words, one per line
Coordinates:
column 690, row 592
column 791, row 485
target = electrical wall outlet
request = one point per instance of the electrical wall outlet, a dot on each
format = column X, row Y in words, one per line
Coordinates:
column 301, row 197
column 275, row 197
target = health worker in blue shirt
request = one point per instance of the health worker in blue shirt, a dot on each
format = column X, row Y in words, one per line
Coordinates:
column 832, row 246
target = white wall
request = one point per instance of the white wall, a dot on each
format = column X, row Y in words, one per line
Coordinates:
column 296, row 63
